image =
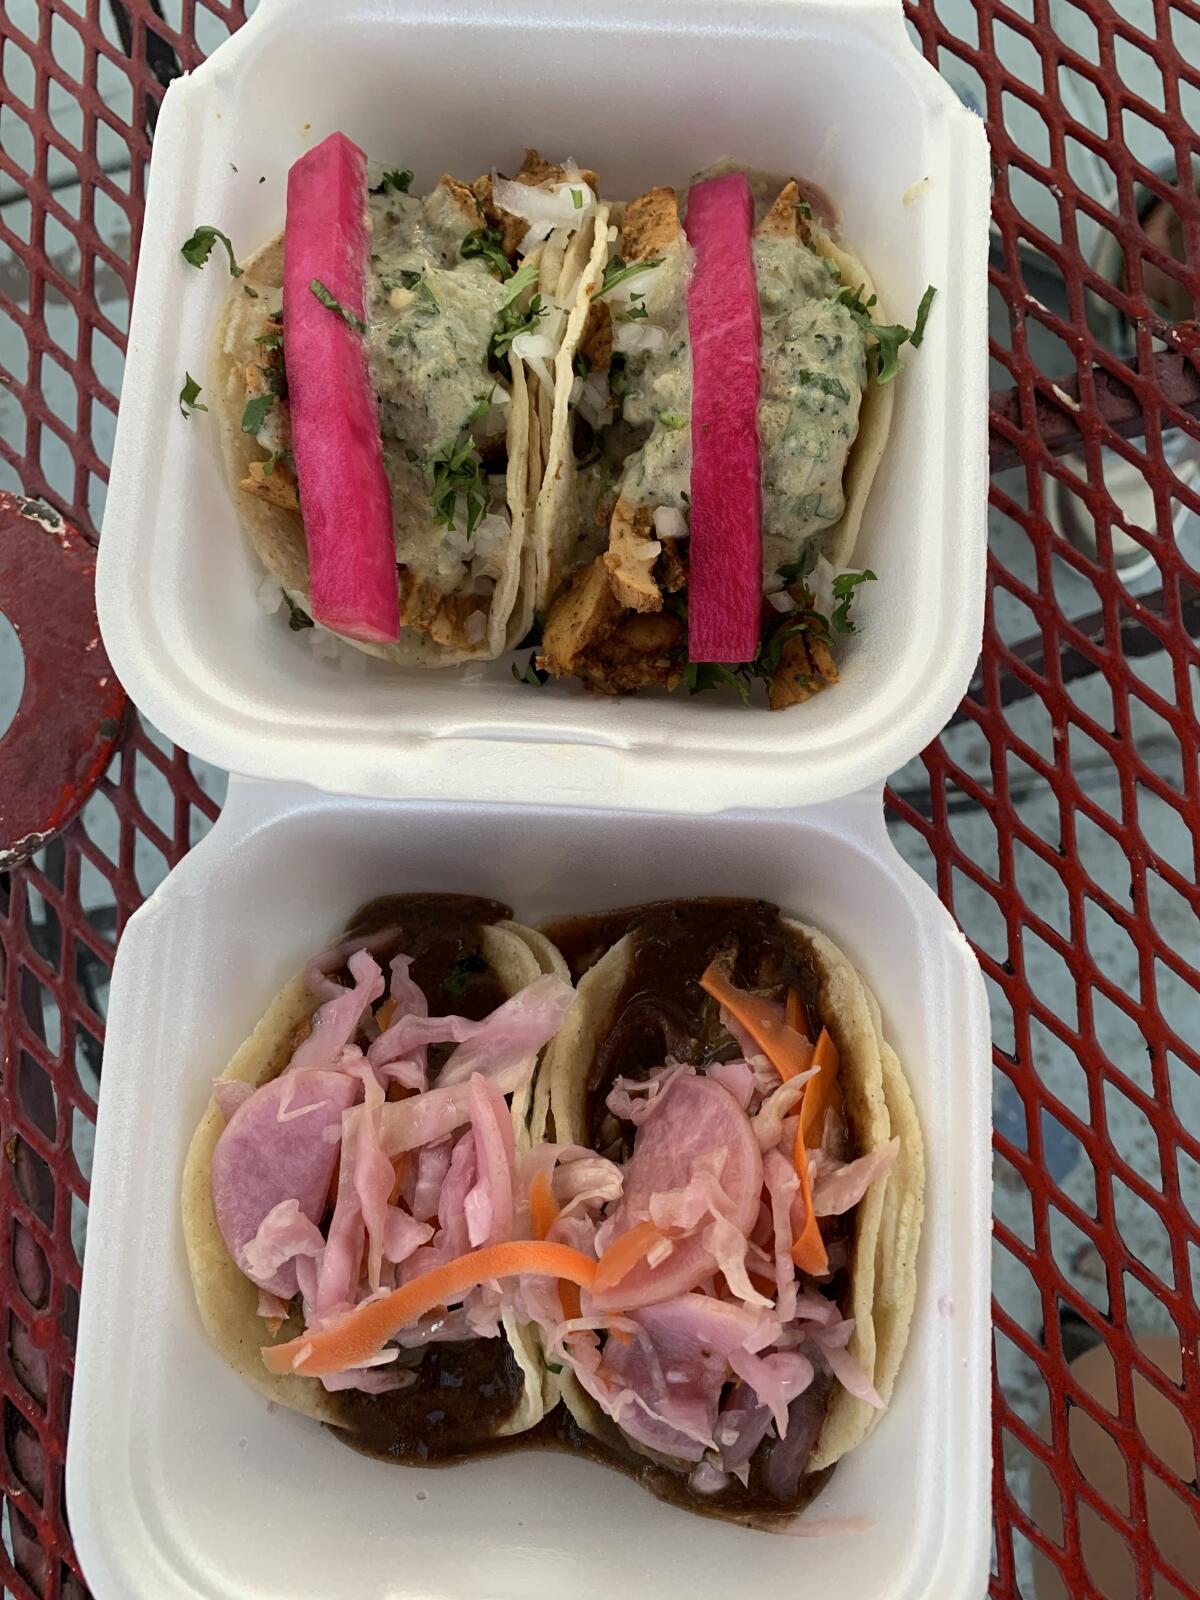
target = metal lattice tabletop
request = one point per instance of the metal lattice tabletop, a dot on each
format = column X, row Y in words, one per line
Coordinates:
column 1058, row 815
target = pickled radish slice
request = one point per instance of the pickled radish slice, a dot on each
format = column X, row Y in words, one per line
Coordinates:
column 344, row 495
column 725, row 552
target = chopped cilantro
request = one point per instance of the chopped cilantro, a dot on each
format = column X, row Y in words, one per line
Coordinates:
column 581, row 365
column 251, row 294
column 616, row 272
column 524, row 278
column 297, row 619
column 196, row 250
column 801, row 570
column 483, row 404
column 805, row 210
column 509, row 324
column 577, row 199
column 271, row 340
column 255, row 413
column 888, row 336
column 700, row 675
column 487, row 244
column 398, row 179
column 844, row 585
column 825, row 382
column 918, row 332
column 336, row 306
column 276, row 456
column 462, row 974
column 189, row 396
column 553, row 1366
column 456, row 471
column 673, row 419
column 634, row 314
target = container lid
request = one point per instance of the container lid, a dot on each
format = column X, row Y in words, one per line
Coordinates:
column 629, row 90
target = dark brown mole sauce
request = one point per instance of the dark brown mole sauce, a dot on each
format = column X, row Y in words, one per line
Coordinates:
column 661, row 1009
column 443, row 934
column 465, row 1390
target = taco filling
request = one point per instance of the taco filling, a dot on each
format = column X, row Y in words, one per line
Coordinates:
column 640, row 434
column 366, row 1135
column 723, row 1065
column 661, row 426
column 683, row 1245
column 398, row 410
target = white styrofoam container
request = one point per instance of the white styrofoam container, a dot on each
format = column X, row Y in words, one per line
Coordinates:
column 183, row 1484
column 645, row 92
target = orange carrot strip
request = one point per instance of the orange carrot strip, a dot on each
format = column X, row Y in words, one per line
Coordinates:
column 624, row 1254
column 543, row 1212
column 784, row 1046
column 822, row 1091
column 368, row 1328
column 385, row 1013
column 808, row 1252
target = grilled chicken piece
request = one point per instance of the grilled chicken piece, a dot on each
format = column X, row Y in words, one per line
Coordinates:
column 629, row 560
column 277, row 488
column 785, row 220
column 651, row 225
column 535, row 170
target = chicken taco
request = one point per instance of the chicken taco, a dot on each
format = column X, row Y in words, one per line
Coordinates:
column 383, row 374
column 705, row 487
column 367, row 1133
column 753, row 1202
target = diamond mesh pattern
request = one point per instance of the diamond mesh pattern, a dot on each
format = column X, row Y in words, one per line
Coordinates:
column 1058, row 816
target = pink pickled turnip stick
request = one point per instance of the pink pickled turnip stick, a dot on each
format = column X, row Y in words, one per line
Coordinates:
column 345, row 499
column 725, row 549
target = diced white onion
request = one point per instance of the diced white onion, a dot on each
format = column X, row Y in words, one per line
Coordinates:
column 594, row 403
column 476, row 627
column 614, row 233
column 492, row 534
column 670, row 523
column 781, row 601
column 560, row 204
column 530, row 345
column 537, row 234
column 632, row 337
column 576, row 389
column 646, row 550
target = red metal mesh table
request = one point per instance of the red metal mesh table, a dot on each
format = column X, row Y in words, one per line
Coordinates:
column 1059, row 815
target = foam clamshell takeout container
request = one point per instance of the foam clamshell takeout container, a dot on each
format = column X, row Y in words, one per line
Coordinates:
column 646, row 93
column 182, row 1484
